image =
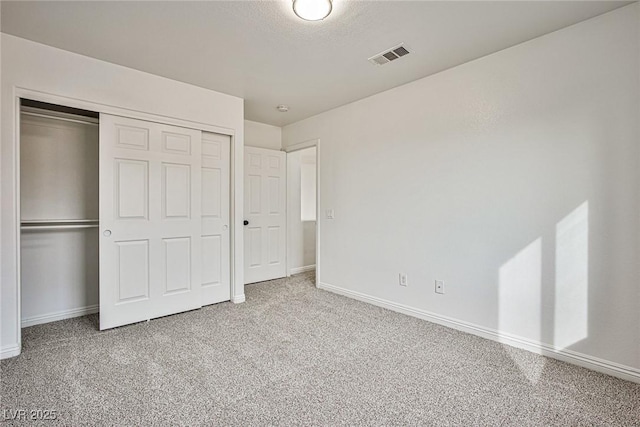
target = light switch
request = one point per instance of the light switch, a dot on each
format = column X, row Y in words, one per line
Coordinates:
column 329, row 213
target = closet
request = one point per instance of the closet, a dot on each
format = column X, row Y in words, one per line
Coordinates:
column 123, row 216
column 58, row 212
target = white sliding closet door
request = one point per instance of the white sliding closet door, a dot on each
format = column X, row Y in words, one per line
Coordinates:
column 215, row 218
column 265, row 200
column 150, row 220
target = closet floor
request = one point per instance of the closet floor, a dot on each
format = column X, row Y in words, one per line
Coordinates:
column 296, row 355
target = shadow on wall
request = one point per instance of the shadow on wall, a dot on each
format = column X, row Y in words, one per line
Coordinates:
column 521, row 294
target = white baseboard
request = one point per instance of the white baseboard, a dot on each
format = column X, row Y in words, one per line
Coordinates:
column 238, row 299
column 298, row 270
column 60, row 315
column 10, row 351
column 600, row 365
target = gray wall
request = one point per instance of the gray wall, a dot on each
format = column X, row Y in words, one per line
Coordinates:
column 262, row 135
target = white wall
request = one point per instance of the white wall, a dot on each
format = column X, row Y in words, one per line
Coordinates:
column 262, row 135
column 514, row 178
column 301, row 235
column 81, row 81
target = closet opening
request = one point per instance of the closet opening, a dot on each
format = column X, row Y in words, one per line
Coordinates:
column 59, row 211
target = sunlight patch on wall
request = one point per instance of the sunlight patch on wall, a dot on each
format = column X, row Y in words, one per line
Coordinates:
column 519, row 292
column 572, row 278
column 519, row 301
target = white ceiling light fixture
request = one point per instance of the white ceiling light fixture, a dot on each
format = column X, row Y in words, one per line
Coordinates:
column 282, row 108
column 312, row 10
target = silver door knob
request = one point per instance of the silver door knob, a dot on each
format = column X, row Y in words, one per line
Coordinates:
column 106, row 233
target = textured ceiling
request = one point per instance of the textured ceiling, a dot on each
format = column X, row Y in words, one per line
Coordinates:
column 260, row 51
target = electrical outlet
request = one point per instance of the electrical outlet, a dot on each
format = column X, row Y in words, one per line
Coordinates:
column 403, row 279
column 439, row 286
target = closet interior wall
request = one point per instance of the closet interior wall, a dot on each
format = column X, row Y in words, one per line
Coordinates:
column 58, row 212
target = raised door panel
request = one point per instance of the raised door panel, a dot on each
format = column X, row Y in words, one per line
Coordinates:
column 132, row 271
column 175, row 143
column 132, row 190
column 212, row 260
column 177, row 259
column 273, row 238
column 212, row 199
column 132, row 137
column 212, row 149
column 275, row 163
column 254, row 161
column 274, row 195
column 254, row 195
column 253, row 243
column 176, row 190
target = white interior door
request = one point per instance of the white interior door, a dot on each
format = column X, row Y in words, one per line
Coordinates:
column 150, row 220
column 265, row 215
column 216, row 286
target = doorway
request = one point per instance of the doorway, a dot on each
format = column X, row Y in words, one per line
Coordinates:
column 301, row 201
column 302, row 209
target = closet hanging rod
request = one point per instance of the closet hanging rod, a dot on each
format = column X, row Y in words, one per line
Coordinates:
column 57, row 221
column 57, row 227
column 87, row 121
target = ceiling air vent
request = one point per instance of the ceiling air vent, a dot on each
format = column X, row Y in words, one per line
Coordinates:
column 389, row 55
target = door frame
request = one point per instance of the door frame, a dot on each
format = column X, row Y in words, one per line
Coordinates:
column 236, row 201
column 290, row 149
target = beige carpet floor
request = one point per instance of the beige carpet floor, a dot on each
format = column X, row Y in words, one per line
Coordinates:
column 296, row 355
